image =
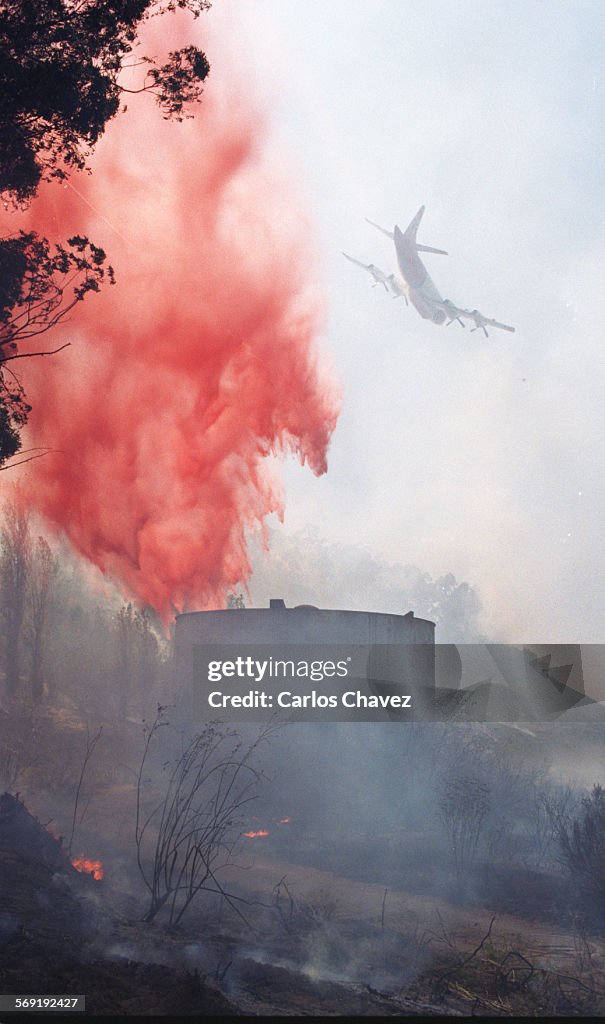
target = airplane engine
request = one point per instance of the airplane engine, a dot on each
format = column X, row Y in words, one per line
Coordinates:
column 438, row 316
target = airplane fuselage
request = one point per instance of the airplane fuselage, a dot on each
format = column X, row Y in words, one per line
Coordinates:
column 416, row 285
column 421, row 290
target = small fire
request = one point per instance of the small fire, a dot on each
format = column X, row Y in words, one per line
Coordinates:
column 255, row 835
column 284, row 821
column 88, row 867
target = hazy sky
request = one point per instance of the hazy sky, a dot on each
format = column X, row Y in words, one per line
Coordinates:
column 456, row 453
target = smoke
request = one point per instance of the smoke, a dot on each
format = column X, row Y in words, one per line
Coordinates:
column 200, row 363
column 305, row 568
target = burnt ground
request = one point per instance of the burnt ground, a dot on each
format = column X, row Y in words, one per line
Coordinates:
column 418, row 864
column 310, row 942
column 331, row 925
column 49, row 922
column 427, row 955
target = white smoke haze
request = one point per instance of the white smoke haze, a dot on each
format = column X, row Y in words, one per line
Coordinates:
column 306, row 568
column 456, row 453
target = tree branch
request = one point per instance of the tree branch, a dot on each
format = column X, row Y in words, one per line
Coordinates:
column 29, row 355
column 21, row 462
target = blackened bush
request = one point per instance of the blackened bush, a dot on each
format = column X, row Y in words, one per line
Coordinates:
column 582, row 842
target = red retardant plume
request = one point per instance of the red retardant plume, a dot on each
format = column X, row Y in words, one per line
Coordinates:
column 199, row 363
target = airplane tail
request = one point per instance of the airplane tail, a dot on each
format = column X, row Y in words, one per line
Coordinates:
column 429, row 248
column 410, row 234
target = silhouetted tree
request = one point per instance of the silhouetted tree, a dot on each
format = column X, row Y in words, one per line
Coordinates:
column 60, row 63
column 139, row 656
column 60, row 67
column 42, row 572
column 15, row 564
column 91, row 742
column 581, row 836
column 39, row 286
column 80, row 653
column 463, row 808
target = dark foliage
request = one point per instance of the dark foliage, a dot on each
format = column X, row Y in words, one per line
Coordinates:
column 582, row 841
column 39, row 285
column 60, row 67
column 60, row 62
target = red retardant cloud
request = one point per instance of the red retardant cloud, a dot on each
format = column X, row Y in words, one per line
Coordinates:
column 199, row 363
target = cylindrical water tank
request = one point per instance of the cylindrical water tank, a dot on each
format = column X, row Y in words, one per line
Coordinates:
column 400, row 648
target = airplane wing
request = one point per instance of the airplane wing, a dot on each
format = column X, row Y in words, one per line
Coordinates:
column 358, row 263
column 453, row 312
column 376, row 273
column 491, row 323
column 385, row 231
column 481, row 322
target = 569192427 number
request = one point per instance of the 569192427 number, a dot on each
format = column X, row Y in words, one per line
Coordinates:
column 41, row 1002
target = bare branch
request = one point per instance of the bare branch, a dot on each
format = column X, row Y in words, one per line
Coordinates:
column 198, row 819
column 21, row 462
column 90, row 746
column 29, row 355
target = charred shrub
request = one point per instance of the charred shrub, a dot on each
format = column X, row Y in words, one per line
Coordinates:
column 581, row 838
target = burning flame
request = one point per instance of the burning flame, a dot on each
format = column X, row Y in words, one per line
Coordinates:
column 88, row 867
column 264, row 832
